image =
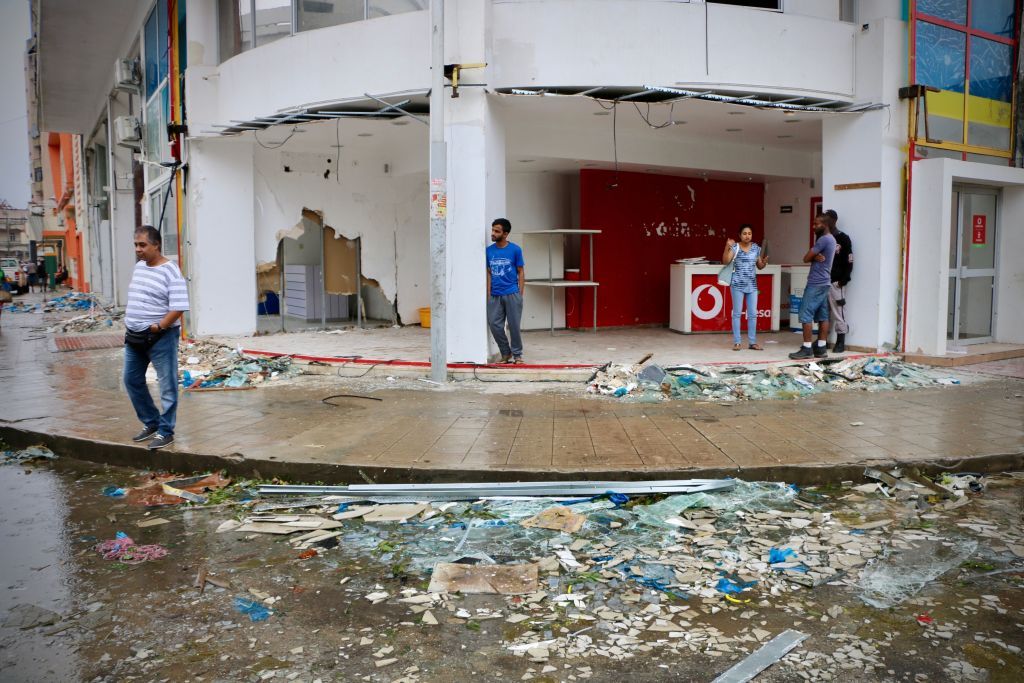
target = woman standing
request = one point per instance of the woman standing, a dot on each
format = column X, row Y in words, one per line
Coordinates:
column 747, row 256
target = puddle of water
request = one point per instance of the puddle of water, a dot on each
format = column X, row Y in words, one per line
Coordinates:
column 35, row 568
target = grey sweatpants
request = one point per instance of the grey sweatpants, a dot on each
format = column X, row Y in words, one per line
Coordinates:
column 500, row 309
column 838, row 313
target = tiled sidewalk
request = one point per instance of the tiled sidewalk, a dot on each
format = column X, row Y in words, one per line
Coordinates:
column 79, row 394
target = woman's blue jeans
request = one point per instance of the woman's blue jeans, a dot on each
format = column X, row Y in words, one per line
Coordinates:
column 737, row 313
column 164, row 357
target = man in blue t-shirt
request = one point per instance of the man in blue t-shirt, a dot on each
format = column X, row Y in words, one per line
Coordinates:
column 814, row 306
column 505, row 278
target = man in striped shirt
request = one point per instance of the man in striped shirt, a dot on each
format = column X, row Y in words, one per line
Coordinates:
column 157, row 297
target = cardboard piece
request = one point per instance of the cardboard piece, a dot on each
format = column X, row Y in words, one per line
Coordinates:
column 558, row 518
column 286, row 524
column 395, row 513
column 510, row 579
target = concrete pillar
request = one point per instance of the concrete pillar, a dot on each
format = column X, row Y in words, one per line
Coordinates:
column 868, row 148
column 476, row 179
column 222, row 282
column 476, row 196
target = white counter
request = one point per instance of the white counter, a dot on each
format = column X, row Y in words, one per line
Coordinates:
column 697, row 303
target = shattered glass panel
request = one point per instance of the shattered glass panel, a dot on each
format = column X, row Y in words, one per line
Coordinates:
column 950, row 10
column 314, row 14
column 989, row 111
column 993, row 16
column 385, row 8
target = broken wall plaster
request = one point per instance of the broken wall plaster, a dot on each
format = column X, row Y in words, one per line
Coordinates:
column 388, row 211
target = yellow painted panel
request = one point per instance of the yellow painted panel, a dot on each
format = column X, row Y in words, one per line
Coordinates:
column 950, row 105
column 946, row 103
column 989, row 112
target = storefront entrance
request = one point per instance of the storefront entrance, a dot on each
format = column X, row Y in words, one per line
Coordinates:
column 972, row 265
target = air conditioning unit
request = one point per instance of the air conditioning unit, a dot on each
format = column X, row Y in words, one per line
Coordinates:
column 126, row 75
column 127, row 131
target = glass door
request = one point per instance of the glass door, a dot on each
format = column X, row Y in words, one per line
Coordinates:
column 972, row 266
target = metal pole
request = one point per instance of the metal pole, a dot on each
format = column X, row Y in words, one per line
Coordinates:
column 359, row 282
column 438, row 200
column 323, row 276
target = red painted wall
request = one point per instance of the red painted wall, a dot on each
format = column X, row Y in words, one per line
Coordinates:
column 649, row 221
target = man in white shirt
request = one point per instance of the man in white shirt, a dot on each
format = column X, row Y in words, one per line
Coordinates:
column 157, row 296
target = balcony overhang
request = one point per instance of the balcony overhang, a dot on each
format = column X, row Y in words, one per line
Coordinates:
column 78, row 43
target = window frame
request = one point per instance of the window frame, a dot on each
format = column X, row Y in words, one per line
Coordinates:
column 969, row 32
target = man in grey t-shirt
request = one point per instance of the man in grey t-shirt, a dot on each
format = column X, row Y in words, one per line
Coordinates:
column 814, row 305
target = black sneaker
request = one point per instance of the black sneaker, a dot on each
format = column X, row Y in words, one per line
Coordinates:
column 803, row 354
column 159, row 441
column 820, row 351
column 145, row 434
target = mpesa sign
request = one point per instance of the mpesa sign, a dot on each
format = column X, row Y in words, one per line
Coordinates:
column 711, row 305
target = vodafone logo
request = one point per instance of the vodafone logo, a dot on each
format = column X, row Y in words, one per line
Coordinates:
column 704, row 313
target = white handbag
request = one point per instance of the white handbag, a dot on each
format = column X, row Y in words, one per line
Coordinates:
column 725, row 274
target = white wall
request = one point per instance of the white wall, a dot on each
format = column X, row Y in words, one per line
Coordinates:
column 1009, row 323
column 222, row 277
column 541, row 201
column 388, row 209
column 788, row 234
column 568, row 43
column 868, row 148
column 388, row 54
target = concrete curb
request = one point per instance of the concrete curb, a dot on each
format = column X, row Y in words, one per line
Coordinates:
column 237, row 465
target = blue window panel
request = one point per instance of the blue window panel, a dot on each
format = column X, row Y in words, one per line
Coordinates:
column 994, row 16
column 991, row 69
column 950, row 10
column 150, row 36
column 941, row 57
column 161, row 12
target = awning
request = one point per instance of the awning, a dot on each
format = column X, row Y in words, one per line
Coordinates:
column 78, row 44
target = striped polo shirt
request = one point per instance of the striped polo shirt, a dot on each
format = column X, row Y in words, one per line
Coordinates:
column 153, row 292
column 744, row 274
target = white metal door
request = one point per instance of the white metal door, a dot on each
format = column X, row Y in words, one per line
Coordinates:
column 972, row 266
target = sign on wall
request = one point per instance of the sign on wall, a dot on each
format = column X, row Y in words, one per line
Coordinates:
column 978, row 222
column 711, row 305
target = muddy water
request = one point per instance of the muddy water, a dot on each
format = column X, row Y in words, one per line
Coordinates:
column 36, row 567
column 149, row 621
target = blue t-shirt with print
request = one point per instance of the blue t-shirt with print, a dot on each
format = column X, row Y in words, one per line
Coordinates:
column 821, row 271
column 503, row 263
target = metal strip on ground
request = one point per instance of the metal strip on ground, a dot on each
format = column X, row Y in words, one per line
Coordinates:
column 769, row 653
column 473, row 491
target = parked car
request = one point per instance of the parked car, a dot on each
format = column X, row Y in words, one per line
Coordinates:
column 12, row 269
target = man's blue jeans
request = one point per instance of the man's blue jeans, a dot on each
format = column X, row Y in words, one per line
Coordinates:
column 737, row 314
column 164, row 357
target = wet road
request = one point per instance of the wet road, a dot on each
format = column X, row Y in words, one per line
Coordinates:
column 118, row 622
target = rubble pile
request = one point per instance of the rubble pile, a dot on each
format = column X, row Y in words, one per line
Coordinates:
column 73, row 301
column 209, row 365
column 617, row 577
column 737, row 383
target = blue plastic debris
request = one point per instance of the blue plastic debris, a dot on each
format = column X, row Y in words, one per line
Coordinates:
column 728, row 586
column 621, row 391
column 255, row 610
column 777, row 555
column 114, row 491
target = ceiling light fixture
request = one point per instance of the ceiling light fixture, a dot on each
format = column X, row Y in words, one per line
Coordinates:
column 792, row 120
column 365, row 135
column 733, row 130
column 526, row 161
column 783, row 137
column 600, row 113
column 737, row 113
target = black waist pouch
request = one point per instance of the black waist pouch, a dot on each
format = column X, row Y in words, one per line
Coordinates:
column 142, row 341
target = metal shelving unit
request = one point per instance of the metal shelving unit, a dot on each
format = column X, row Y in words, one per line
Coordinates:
column 553, row 284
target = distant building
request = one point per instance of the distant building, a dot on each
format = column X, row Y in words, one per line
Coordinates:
column 14, row 242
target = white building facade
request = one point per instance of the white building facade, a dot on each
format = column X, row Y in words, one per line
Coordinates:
column 301, row 194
